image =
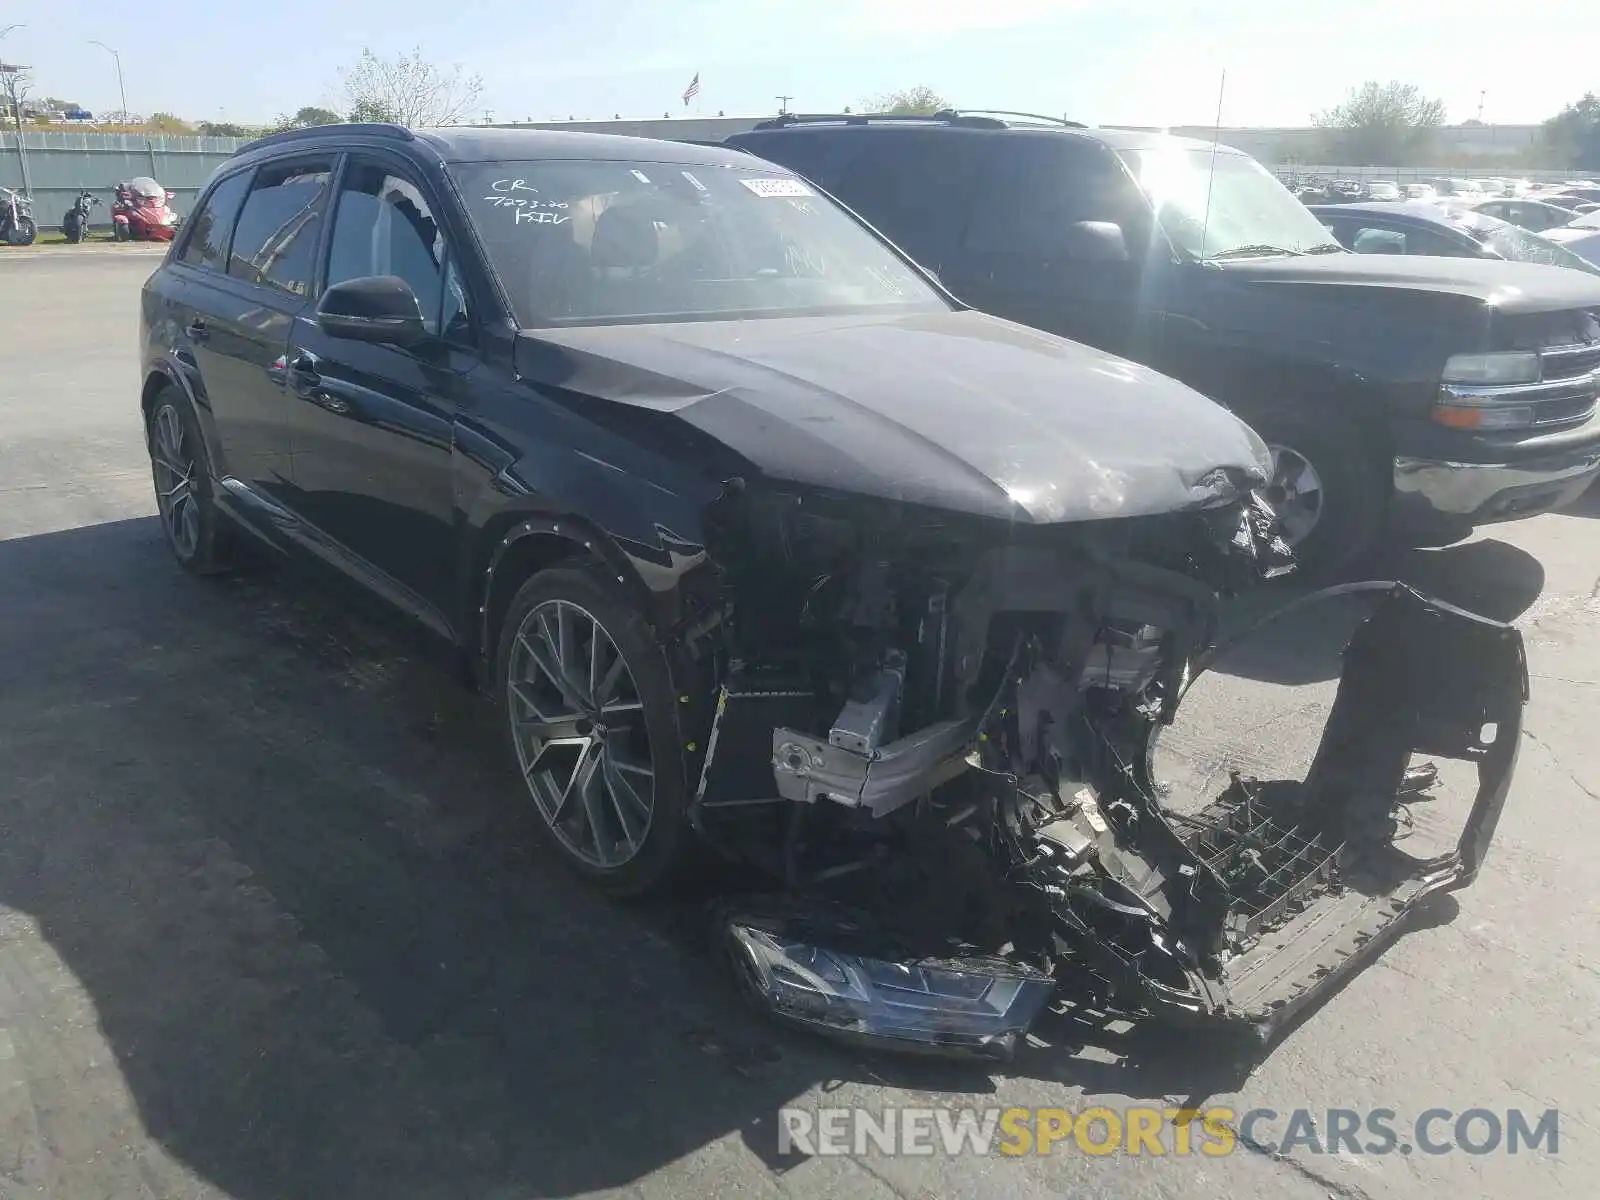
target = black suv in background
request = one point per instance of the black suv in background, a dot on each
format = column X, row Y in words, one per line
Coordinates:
column 1422, row 395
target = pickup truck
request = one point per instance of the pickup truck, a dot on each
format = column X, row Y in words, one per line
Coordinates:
column 1401, row 396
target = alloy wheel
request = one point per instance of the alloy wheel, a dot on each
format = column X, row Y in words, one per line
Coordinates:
column 577, row 721
column 1295, row 493
column 173, row 462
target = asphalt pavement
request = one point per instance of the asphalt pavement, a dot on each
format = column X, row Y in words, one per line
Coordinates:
column 273, row 924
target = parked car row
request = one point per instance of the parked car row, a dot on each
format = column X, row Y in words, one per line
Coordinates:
column 870, row 545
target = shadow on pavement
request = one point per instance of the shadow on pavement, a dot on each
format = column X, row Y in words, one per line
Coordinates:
column 1489, row 577
column 282, row 861
column 1586, row 505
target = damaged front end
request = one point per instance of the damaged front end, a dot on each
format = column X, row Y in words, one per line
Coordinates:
column 936, row 734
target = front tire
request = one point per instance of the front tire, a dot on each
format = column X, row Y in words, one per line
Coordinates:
column 1327, row 489
column 182, row 476
column 589, row 710
column 23, row 232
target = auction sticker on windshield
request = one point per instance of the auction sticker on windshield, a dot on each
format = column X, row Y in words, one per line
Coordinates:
column 777, row 187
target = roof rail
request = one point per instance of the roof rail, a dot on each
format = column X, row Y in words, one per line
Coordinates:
column 373, row 129
column 1006, row 112
column 971, row 118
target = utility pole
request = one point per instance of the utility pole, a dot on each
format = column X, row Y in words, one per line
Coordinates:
column 122, row 92
column 783, row 104
column 1481, row 95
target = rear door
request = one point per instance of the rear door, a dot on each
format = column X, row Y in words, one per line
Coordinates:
column 1026, row 251
column 371, row 425
column 251, row 275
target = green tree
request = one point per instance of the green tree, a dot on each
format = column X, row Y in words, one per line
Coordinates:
column 408, row 90
column 917, row 101
column 222, row 129
column 306, row 118
column 164, row 122
column 1573, row 134
column 1388, row 124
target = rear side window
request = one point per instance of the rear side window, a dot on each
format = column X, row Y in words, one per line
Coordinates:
column 818, row 154
column 915, row 187
column 209, row 229
column 275, row 242
column 1037, row 188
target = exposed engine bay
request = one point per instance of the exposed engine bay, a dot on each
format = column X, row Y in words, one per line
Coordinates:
column 935, row 734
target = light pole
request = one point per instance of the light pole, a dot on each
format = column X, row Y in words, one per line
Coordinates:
column 116, row 58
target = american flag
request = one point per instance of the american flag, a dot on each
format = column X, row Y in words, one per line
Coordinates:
column 693, row 90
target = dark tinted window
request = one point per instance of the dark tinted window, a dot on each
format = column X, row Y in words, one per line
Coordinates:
column 915, row 186
column 818, row 154
column 1037, row 188
column 1365, row 237
column 276, row 239
column 209, row 228
column 384, row 226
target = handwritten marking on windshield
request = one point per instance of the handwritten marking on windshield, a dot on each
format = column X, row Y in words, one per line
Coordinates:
column 511, row 185
column 534, row 216
column 522, row 202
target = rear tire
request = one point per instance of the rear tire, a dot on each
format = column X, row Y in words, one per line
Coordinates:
column 182, row 474
column 1328, row 488
column 23, row 232
column 591, row 717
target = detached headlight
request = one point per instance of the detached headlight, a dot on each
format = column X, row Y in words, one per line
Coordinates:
column 1492, row 370
column 957, row 1006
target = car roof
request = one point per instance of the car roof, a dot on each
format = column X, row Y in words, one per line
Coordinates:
column 479, row 143
column 1115, row 139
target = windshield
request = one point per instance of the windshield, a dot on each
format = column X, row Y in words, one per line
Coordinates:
column 577, row 241
column 1518, row 245
column 1248, row 208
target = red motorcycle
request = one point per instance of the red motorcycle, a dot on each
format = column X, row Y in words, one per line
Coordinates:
column 140, row 212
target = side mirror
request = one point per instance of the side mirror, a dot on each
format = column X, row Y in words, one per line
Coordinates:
column 1096, row 241
column 374, row 308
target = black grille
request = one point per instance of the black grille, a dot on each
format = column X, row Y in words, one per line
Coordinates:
column 1569, row 362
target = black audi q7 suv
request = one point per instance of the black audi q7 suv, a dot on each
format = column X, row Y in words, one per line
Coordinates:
column 766, row 546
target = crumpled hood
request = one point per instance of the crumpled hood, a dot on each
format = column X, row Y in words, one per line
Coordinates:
column 955, row 410
column 1509, row 286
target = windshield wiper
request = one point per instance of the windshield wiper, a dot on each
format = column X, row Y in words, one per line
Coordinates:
column 1323, row 248
column 1241, row 251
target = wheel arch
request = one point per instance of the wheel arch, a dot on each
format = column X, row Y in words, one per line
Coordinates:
column 516, row 546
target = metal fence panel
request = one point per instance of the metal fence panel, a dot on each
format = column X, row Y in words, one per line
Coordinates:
column 55, row 164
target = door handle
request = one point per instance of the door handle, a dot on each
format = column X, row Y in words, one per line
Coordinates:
column 196, row 329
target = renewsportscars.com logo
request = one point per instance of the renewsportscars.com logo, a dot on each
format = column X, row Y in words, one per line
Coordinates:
column 1145, row 1130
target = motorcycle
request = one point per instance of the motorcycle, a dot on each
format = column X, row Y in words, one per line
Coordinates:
column 76, row 223
column 140, row 212
column 16, row 218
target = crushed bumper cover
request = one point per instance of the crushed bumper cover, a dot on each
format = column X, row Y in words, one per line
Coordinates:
column 1312, row 884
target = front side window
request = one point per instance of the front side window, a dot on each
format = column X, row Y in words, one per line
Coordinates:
column 1223, row 204
column 383, row 225
column 209, row 229
column 578, row 241
column 275, row 242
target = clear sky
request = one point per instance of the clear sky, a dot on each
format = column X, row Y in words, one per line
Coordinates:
column 1151, row 62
